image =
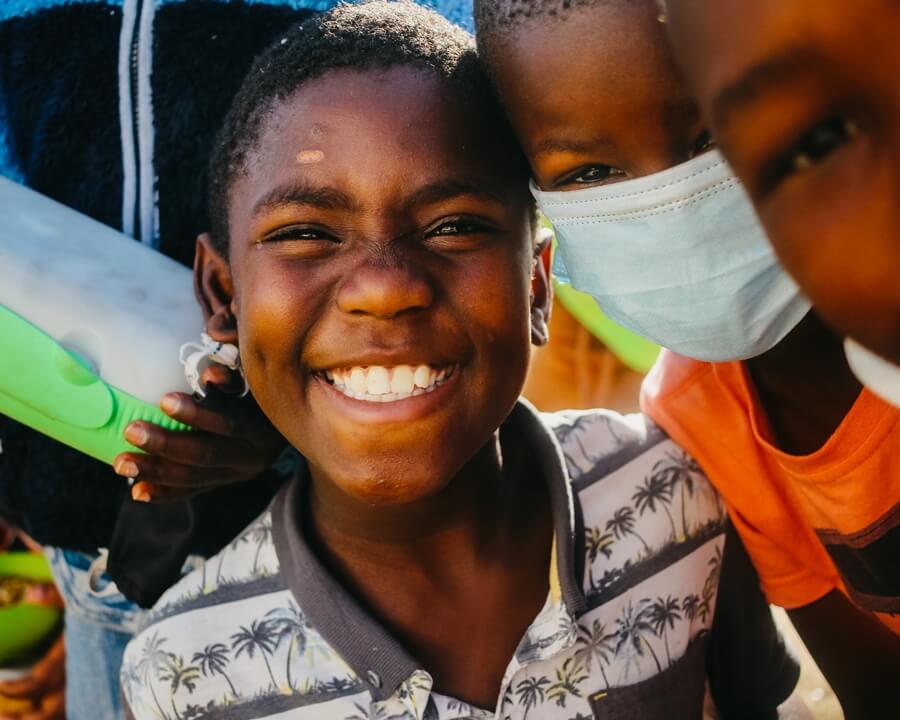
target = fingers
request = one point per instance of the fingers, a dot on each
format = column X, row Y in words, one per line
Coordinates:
column 196, row 449
column 153, row 492
column 219, row 417
column 171, row 472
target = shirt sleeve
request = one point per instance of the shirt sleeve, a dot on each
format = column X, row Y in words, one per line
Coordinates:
column 787, row 579
column 749, row 668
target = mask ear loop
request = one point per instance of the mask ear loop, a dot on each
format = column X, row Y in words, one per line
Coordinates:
column 194, row 356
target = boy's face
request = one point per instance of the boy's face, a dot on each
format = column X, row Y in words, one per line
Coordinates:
column 379, row 241
column 594, row 95
column 804, row 99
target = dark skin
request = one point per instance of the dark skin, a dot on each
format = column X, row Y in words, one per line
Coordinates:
column 393, row 247
column 623, row 111
column 231, row 441
column 804, row 99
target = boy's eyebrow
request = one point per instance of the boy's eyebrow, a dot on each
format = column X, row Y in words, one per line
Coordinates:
column 446, row 189
column 304, row 193
column 556, row 144
column 766, row 75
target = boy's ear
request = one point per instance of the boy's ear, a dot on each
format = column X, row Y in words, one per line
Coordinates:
column 541, row 289
column 214, row 290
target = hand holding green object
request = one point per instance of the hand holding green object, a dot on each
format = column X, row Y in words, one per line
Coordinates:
column 232, row 441
column 91, row 328
column 57, row 393
column 91, row 323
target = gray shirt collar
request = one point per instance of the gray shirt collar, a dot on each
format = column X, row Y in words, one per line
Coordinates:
column 376, row 657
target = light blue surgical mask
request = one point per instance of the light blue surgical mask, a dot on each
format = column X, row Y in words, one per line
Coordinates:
column 678, row 257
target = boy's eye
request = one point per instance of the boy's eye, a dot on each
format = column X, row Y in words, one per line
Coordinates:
column 592, row 175
column 299, row 233
column 814, row 146
column 704, row 143
column 457, row 233
column 457, row 227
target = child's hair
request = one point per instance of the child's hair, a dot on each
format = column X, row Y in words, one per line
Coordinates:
column 497, row 18
column 500, row 16
column 364, row 36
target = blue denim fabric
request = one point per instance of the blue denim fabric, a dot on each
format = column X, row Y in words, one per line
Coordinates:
column 99, row 623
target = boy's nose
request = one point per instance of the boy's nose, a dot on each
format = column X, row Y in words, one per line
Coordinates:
column 384, row 288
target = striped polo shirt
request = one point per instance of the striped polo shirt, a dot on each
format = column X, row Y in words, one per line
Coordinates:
column 263, row 630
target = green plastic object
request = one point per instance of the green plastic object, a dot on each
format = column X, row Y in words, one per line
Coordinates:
column 54, row 391
column 25, row 627
column 636, row 352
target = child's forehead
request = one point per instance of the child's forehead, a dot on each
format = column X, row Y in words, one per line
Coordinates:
column 398, row 115
column 393, row 100
column 744, row 50
column 376, row 139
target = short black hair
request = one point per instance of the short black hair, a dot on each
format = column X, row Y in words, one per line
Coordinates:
column 500, row 17
column 493, row 16
column 363, row 36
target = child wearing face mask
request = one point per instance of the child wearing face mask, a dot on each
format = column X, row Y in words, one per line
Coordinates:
column 652, row 223
column 822, row 173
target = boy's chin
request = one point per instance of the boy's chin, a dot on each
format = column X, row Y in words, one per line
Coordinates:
column 401, row 485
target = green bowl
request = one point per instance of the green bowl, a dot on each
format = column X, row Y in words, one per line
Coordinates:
column 25, row 628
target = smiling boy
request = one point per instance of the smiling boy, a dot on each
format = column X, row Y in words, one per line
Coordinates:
column 445, row 552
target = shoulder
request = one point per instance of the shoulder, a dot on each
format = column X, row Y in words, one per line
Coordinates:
column 645, row 504
column 670, row 375
column 212, row 622
column 596, row 443
column 247, row 566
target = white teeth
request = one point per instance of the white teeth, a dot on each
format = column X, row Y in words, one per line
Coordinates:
column 357, row 382
column 423, row 376
column 402, row 380
column 378, row 381
column 380, row 384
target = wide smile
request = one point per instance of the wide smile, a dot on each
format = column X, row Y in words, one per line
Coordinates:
column 382, row 384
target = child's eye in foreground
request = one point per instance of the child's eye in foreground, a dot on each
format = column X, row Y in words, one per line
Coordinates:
column 457, row 227
column 458, row 234
column 593, row 175
column 814, row 146
column 300, row 233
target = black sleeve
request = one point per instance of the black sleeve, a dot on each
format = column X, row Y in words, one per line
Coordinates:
column 750, row 670
column 150, row 542
column 57, row 495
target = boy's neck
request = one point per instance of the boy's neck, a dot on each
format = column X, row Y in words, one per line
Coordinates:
column 473, row 511
column 335, row 514
column 476, row 555
column 805, row 386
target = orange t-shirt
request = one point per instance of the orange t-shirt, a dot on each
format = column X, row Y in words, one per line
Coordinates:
column 811, row 523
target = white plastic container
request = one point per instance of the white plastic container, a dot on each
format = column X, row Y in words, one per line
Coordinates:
column 118, row 308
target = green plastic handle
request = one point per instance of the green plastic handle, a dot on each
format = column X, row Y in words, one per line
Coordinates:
column 54, row 391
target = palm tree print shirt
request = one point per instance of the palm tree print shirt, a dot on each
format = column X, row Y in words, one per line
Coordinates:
column 262, row 630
